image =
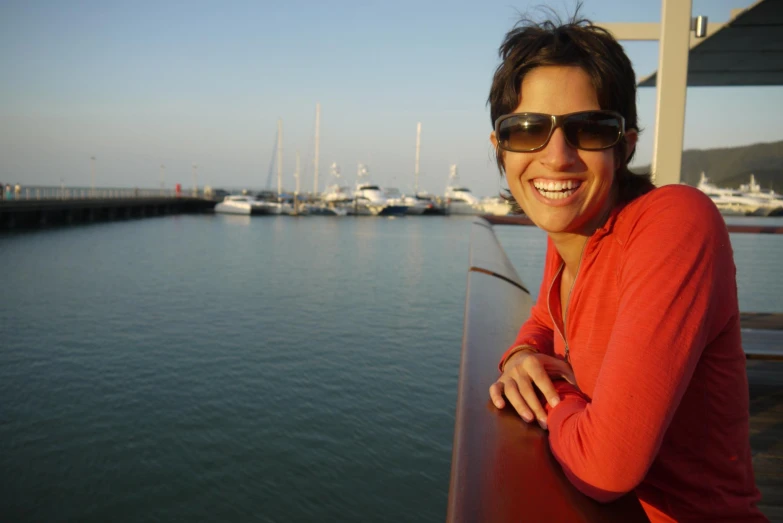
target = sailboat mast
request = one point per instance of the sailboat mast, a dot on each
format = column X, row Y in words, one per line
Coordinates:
column 317, row 146
column 279, row 156
column 418, row 150
column 296, row 175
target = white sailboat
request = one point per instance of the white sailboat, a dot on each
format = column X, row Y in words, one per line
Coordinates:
column 416, row 206
column 337, row 199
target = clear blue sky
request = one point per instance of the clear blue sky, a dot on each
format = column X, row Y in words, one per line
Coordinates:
column 140, row 84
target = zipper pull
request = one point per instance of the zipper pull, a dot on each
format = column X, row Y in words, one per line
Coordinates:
column 566, row 353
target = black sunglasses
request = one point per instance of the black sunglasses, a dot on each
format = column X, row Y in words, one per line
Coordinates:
column 586, row 130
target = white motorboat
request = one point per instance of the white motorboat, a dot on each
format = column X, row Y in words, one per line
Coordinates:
column 730, row 202
column 247, row 205
column 414, row 206
column 368, row 198
column 337, row 200
column 495, row 205
column 459, row 199
column 771, row 202
column 433, row 205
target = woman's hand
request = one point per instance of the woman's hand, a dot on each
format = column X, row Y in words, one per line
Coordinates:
column 525, row 372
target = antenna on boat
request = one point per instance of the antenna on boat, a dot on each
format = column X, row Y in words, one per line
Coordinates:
column 362, row 172
column 317, row 144
column 334, row 171
column 418, row 150
column 279, row 156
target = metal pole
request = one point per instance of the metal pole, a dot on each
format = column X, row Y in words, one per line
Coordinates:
column 317, row 146
column 279, row 157
column 296, row 190
column 672, row 86
column 296, row 175
column 418, row 150
column 92, row 176
column 162, row 178
column 195, row 181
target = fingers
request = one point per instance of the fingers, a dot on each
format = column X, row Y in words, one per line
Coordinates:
column 518, row 400
column 496, row 394
column 523, row 401
column 544, row 383
column 531, row 403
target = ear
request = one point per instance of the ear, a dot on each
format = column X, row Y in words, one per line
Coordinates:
column 494, row 140
column 631, row 137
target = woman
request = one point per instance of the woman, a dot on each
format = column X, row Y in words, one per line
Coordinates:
column 634, row 343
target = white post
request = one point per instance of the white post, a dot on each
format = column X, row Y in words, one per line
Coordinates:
column 296, row 174
column 317, row 146
column 92, row 176
column 195, row 181
column 671, row 83
column 279, row 157
column 418, row 149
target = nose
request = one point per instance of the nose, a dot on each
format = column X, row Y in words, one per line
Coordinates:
column 558, row 155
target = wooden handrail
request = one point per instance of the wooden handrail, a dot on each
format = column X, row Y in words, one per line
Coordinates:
column 502, row 469
column 524, row 220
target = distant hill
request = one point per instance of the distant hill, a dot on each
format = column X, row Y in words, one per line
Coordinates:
column 732, row 166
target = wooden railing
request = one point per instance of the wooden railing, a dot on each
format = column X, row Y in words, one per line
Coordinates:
column 502, row 469
column 751, row 229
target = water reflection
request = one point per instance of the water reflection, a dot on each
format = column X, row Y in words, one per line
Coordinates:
column 236, row 219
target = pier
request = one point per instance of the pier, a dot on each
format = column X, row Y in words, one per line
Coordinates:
column 73, row 207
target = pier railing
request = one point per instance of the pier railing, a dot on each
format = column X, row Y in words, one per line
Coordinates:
column 502, row 469
column 40, row 193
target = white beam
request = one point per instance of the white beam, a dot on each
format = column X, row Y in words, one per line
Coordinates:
column 671, row 86
column 652, row 31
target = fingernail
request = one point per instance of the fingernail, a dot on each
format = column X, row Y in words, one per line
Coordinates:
column 498, row 405
column 527, row 417
column 554, row 401
column 542, row 424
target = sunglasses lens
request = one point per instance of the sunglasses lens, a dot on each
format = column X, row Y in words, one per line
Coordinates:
column 592, row 130
column 524, row 132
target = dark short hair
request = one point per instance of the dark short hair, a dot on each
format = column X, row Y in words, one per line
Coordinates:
column 580, row 43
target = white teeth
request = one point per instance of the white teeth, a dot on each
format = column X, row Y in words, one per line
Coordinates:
column 556, row 190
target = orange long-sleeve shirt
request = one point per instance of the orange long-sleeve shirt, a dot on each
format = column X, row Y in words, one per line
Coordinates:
column 654, row 340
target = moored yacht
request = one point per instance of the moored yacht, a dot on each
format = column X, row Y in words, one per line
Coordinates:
column 414, row 206
column 771, row 202
column 495, row 205
column 730, row 202
column 245, row 204
column 459, row 199
column 337, row 200
column 368, row 198
column 432, row 204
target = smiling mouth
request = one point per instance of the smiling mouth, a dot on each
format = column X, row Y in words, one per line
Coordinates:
column 556, row 190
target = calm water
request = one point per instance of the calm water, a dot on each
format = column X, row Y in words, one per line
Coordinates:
column 227, row 368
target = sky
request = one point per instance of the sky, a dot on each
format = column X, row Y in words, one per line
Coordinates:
column 140, row 85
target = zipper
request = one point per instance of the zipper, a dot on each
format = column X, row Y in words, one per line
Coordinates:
column 549, row 306
column 567, row 303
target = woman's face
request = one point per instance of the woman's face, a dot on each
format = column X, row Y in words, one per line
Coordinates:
column 560, row 188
